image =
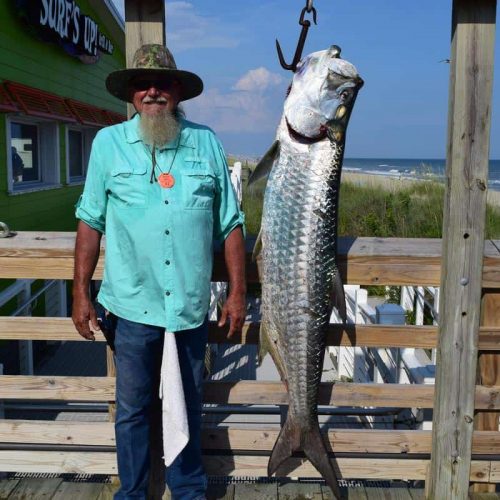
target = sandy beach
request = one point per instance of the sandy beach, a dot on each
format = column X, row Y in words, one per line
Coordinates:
column 391, row 183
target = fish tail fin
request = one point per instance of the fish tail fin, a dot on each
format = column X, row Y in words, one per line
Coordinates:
column 288, row 441
column 315, row 450
column 294, row 438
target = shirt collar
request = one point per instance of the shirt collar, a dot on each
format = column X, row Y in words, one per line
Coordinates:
column 132, row 134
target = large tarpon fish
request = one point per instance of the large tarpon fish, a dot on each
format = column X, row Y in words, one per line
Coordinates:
column 298, row 240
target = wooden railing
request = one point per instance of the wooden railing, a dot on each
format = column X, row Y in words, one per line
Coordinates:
column 56, row 447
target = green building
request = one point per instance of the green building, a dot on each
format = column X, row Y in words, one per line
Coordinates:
column 54, row 59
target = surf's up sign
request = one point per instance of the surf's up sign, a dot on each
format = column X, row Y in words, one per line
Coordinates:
column 63, row 22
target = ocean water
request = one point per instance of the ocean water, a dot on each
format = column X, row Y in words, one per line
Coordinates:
column 412, row 168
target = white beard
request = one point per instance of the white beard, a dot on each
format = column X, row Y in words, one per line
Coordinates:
column 160, row 128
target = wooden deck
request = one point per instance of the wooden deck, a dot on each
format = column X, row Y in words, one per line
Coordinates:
column 59, row 489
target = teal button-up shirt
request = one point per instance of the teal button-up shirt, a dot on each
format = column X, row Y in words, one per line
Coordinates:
column 159, row 250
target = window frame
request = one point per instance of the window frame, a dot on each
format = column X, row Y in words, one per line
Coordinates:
column 86, row 132
column 53, row 163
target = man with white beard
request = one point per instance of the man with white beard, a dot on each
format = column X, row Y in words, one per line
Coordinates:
column 158, row 186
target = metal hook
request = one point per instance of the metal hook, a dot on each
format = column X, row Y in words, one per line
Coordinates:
column 302, row 39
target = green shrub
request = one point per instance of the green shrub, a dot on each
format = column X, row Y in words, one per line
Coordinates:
column 415, row 210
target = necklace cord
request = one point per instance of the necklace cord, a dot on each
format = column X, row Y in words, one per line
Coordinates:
column 154, row 164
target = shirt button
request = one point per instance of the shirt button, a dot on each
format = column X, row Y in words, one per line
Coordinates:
column 166, row 202
column 167, row 293
column 167, row 232
column 167, row 262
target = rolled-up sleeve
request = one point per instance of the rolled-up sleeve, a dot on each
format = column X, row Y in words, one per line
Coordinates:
column 91, row 207
column 227, row 213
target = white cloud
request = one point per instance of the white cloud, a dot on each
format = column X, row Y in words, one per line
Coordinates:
column 258, row 79
column 252, row 106
column 187, row 29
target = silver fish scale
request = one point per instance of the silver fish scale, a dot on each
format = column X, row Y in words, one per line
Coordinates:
column 298, row 264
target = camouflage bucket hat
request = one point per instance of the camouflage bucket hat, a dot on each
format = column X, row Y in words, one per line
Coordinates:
column 153, row 61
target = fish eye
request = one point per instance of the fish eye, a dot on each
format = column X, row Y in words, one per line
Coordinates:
column 346, row 95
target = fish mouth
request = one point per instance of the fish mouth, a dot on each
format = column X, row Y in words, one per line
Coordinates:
column 323, row 132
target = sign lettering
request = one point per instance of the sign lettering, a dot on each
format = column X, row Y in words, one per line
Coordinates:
column 62, row 22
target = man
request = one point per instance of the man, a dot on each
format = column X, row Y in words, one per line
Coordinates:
column 159, row 187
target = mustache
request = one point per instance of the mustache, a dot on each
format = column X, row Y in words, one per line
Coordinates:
column 155, row 100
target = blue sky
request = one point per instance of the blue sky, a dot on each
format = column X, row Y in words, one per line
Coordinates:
column 396, row 45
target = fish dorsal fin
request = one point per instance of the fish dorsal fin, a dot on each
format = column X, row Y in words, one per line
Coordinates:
column 265, row 164
column 338, row 296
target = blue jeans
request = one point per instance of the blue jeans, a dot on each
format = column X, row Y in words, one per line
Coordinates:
column 138, row 361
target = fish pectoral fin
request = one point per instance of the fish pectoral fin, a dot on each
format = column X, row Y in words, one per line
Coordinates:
column 265, row 164
column 263, row 343
column 257, row 248
column 338, row 297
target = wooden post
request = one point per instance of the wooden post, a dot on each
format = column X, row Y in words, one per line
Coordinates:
column 145, row 23
column 488, row 372
column 469, row 118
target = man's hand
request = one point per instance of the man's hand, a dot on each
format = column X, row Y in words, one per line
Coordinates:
column 235, row 308
column 84, row 317
column 86, row 255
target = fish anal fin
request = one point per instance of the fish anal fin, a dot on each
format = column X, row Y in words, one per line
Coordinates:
column 265, row 164
column 337, row 298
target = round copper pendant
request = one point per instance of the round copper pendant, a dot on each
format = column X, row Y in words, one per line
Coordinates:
column 166, row 180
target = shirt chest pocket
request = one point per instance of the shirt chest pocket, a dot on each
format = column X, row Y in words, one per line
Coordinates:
column 128, row 186
column 198, row 185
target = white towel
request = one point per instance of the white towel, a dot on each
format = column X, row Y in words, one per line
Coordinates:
column 174, row 415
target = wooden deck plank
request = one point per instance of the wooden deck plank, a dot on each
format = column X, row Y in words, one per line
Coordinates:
column 357, row 493
column 220, row 492
column 107, row 492
column 261, row 439
column 6, row 487
column 222, row 465
column 78, row 491
column 242, row 392
column 417, row 493
column 495, row 472
column 395, row 493
column 35, row 489
column 484, row 496
column 293, row 491
column 425, row 337
column 365, row 261
column 258, row 491
column 56, row 432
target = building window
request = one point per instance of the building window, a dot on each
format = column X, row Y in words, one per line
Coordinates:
column 33, row 160
column 24, row 151
column 79, row 141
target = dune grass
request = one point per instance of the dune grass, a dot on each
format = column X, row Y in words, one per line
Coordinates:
column 412, row 210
